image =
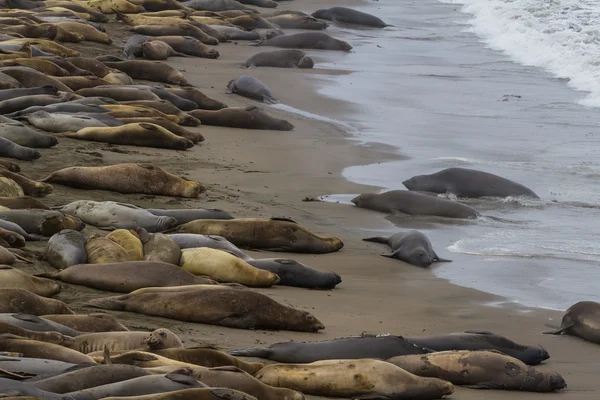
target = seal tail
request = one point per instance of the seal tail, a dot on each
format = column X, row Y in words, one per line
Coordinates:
column 376, row 239
column 557, row 331
column 260, row 352
column 107, row 303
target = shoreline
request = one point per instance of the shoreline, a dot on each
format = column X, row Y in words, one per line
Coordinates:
column 267, row 174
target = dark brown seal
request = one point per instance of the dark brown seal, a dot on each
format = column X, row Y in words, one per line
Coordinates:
column 582, row 319
column 250, row 117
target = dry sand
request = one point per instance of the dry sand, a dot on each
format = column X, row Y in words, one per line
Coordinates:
column 268, row 173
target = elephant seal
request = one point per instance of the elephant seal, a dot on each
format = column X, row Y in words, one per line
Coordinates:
column 22, row 202
column 119, row 93
column 22, row 390
column 178, row 130
column 138, row 386
column 66, row 248
column 8, row 94
column 225, row 267
column 413, row 203
column 483, row 340
column 69, row 107
column 252, row 88
column 8, row 187
column 34, row 349
column 125, row 277
column 306, row 40
column 12, row 278
column 87, row 31
column 293, row 273
column 34, row 323
column 94, row 322
column 179, row 102
column 23, row 301
column 465, row 182
column 82, row 82
column 54, row 122
column 30, row 188
column 156, row 71
column 182, row 29
column 250, row 117
column 136, row 134
column 29, row 77
column 481, row 369
column 9, row 165
column 48, row 337
column 33, row 366
column 349, row 16
column 191, row 240
column 209, row 357
column 353, row 347
column 159, row 247
column 41, row 222
column 412, row 247
column 192, row 94
column 236, row 379
column 127, row 178
column 158, row 50
column 581, row 320
column 234, row 33
column 188, row 45
column 133, row 46
column 92, row 376
column 10, row 149
column 366, row 378
column 130, row 241
column 297, row 21
column 101, row 250
column 25, row 136
column 12, row 227
column 130, row 340
column 275, row 234
column 213, row 305
column 91, row 65
column 212, row 5
column 167, row 108
column 183, row 216
column 280, row 59
column 13, row 239
column 206, row 393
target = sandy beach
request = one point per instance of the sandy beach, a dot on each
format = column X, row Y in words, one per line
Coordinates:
column 268, row 174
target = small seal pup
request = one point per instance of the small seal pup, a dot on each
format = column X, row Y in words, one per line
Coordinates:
column 479, row 369
column 252, row 88
column 348, row 348
column 582, row 319
column 465, row 182
column 412, row 247
column 413, row 203
column 349, row 16
column 483, row 340
column 366, row 378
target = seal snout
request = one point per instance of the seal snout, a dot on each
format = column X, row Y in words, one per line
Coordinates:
column 356, row 200
column 557, row 382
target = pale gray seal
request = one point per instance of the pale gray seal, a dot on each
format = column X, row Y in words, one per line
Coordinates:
column 353, row 347
column 66, row 248
column 68, row 107
column 234, row 33
column 33, row 366
column 306, row 40
column 10, row 149
column 349, row 16
column 413, row 203
column 133, row 46
column 25, row 136
column 36, row 324
column 54, row 122
column 16, row 388
column 281, row 59
column 192, row 240
column 465, row 182
column 183, row 216
column 582, row 319
column 293, row 273
column 20, row 103
column 7, row 94
column 412, row 247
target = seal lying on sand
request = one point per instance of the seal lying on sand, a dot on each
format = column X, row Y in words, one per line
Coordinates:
column 412, row 247
column 413, row 203
column 94, row 322
column 349, row 16
column 465, row 182
column 66, row 248
column 275, row 234
column 365, row 378
column 481, row 370
column 582, row 319
column 126, row 178
column 215, row 305
column 130, row 340
column 10, row 149
column 252, row 88
column 191, row 241
column 293, row 273
column 23, row 301
column 483, row 340
column 250, row 117
column 281, row 59
column 306, row 40
column 34, row 349
column 12, row 278
column 37, row 324
column 354, row 347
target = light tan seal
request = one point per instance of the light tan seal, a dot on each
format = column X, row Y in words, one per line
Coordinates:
column 48, row 337
column 193, row 394
column 136, row 134
column 23, row 301
column 225, row 267
column 12, row 278
column 158, row 247
column 118, row 93
column 122, row 341
column 30, row 187
column 22, row 202
column 214, row 305
column 101, row 250
column 364, row 378
column 10, row 188
column 275, row 234
column 34, row 349
column 210, row 357
column 481, row 369
column 88, row 32
column 94, row 322
column 127, row 178
column 156, row 71
column 172, row 127
column 130, row 241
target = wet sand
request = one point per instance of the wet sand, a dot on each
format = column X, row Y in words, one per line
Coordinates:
column 268, row 174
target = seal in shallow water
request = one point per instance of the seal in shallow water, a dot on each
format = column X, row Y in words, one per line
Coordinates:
column 465, row 182
column 349, row 16
column 412, row 247
column 306, row 40
column 582, row 319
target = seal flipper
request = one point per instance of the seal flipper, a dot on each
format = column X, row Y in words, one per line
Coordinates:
column 392, row 255
column 260, row 352
column 560, row 330
column 376, row 239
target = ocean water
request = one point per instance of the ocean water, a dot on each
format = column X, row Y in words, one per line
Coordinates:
column 510, row 87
